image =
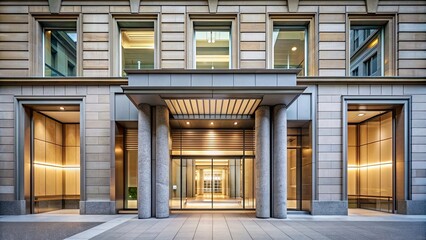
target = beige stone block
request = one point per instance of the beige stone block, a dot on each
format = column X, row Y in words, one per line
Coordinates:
column 119, row 9
column 173, row 55
column 332, row 18
column 329, row 27
column 14, row 18
column 197, row 9
column 277, row 9
column 173, row 18
column 70, row 9
column 95, row 46
column 96, row 73
column 252, row 9
column 95, row 18
column 253, row 37
column 412, row 9
column 173, row 64
column 173, row 9
column 307, row 9
column 10, row 46
column 98, row 27
column 253, row 64
column 252, row 55
column 95, row 55
column 412, row 63
column 332, row 37
column 95, row 9
column 252, row 27
column 95, row 64
column 332, row 72
column 412, row 18
column 95, row 37
column 227, row 9
column 172, row 27
column 412, row 45
column 257, row 46
column 172, row 46
column 13, row 36
column 14, row 73
column 16, row 27
column 412, row 36
column 39, row 9
column 14, row 9
column 332, row 55
column 332, row 64
column 412, row 72
column 332, row 9
column 14, row 55
column 253, row 18
column 332, row 46
column 173, row 37
column 149, row 9
column 11, row 64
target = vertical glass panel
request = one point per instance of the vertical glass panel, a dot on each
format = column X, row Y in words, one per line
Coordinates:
column 292, row 178
column 60, row 53
column 249, row 197
column 212, row 48
column 137, row 49
column 289, row 48
column 132, row 179
column 227, row 183
column 365, row 51
column 175, row 185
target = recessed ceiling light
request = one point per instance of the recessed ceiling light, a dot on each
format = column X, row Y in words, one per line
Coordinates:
column 235, row 123
column 187, row 123
column 211, row 123
column 293, row 49
column 361, row 114
column 61, row 108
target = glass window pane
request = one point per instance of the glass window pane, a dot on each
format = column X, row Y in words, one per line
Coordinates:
column 365, row 50
column 60, row 53
column 132, row 179
column 212, row 49
column 289, row 48
column 137, row 49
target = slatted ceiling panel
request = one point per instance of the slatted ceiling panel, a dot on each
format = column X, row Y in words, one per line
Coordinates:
column 131, row 139
column 212, row 140
column 212, row 108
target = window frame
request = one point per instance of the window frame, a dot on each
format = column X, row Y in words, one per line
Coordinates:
column 115, row 39
column 210, row 28
column 311, row 44
column 36, row 45
column 387, row 40
column 43, row 41
column 193, row 19
column 306, row 37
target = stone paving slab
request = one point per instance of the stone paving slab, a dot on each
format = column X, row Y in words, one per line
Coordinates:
column 42, row 230
column 245, row 226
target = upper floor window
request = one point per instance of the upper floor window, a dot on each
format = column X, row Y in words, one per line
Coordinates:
column 60, row 52
column 290, row 47
column 212, row 45
column 366, row 51
column 137, row 46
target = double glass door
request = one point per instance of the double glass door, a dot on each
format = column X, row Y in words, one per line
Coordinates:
column 212, row 183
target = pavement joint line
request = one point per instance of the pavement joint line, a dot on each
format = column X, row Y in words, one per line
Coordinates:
column 95, row 231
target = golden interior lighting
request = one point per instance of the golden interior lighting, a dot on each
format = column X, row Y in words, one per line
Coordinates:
column 353, row 167
column 56, row 166
column 373, row 43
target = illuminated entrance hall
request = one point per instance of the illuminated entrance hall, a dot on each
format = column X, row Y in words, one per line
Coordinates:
column 212, row 168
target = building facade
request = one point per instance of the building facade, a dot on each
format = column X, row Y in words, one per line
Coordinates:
column 272, row 106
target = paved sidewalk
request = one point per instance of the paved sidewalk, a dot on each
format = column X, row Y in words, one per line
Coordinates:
column 360, row 224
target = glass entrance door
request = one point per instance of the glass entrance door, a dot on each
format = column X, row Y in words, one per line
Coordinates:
column 211, row 183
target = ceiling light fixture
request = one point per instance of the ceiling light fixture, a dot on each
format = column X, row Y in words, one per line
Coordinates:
column 235, row 123
column 361, row 114
column 211, row 123
column 187, row 123
column 62, row 108
column 293, row 49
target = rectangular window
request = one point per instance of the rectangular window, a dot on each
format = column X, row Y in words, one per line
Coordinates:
column 289, row 47
column 137, row 45
column 212, row 45
column 366, row 50
column 60, row 52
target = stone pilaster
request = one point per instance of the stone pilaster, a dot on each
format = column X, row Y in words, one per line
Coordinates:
column 279, row 186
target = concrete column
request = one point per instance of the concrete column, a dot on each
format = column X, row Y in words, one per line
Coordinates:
column 262, row 162
column 280, row 162
column 144, row 161
column 201, row 182
column 162, row 161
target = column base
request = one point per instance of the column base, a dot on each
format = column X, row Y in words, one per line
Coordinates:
column 329, row 207
column 16, row 207
column 97, row 207
column 412, row 207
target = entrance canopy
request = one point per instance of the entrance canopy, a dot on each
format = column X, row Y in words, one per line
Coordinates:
column 212, row 94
